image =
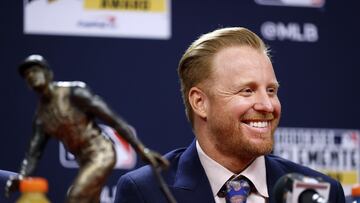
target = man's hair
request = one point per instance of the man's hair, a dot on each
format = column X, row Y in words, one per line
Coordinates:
column 195, row 65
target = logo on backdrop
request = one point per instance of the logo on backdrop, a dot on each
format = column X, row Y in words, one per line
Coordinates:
column 125, row 154
column 107, row 18
column 296, row 32
column 335, row 152
column 296, row 3
column 102, row 22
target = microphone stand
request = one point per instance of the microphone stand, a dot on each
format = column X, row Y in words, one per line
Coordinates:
column 163, row 185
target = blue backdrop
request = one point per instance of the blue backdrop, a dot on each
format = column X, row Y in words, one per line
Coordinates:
column 315, row 54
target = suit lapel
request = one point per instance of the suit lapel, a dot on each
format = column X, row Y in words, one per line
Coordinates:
column 191, row 183
column 273, row 173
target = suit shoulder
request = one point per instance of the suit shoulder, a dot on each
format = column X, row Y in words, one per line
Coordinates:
column 141, row 184
column 144, row 174
column 5, row 175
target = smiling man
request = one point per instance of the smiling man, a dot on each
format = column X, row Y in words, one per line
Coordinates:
column 229, row 90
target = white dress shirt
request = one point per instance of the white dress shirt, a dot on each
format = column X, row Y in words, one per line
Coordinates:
column 218, row 175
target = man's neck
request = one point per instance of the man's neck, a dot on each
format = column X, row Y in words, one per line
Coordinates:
column 232, row 162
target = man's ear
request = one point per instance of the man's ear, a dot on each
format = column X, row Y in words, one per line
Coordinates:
column 198, row 102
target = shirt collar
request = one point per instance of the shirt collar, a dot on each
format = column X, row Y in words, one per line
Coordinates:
column 256, row 173
column 218, row 175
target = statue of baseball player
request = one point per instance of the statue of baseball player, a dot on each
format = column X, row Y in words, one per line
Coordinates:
column 67, row 112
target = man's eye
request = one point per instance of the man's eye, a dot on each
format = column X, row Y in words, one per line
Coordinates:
column 246, row 91
column 272, row 90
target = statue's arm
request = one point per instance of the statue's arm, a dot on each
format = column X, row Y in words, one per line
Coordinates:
column 94, row 105
column 35, row 150
column 32, row 156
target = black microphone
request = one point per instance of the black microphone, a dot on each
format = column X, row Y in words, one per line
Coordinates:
column 297, row 188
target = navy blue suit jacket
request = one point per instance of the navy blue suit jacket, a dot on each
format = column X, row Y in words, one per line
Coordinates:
column 188, row 183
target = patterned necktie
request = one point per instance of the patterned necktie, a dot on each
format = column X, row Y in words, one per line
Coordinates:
column 237, row 190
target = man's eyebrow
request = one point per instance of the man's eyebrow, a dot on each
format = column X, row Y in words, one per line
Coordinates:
column 276, row 84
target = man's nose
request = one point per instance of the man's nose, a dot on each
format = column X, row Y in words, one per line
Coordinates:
column 263, row 103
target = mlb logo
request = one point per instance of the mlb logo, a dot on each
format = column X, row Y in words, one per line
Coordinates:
column 125, row 154
column 295, row 3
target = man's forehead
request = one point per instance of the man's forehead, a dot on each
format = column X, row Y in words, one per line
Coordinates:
column 239, row 59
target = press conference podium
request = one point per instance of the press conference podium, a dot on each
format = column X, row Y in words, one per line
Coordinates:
column 4, row 175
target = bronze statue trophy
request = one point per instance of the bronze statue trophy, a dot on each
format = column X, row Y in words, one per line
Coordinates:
column 67, row 111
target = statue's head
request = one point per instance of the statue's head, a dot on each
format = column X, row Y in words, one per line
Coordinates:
column 31, row 61
column 35, row 70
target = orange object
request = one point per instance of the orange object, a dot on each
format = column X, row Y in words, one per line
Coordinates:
column 355, row 190
column 34, row 184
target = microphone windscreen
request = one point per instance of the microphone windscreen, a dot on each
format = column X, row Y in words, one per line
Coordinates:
column 283, row 186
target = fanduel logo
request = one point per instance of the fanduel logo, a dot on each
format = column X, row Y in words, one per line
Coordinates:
column 297, row 32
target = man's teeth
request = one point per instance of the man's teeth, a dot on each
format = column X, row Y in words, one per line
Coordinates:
column 259, row 124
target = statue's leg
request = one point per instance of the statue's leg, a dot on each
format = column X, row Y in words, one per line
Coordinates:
column 96, row 163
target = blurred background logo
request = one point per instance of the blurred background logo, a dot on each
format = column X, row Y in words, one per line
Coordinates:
column 296, row 3
column 126, row 155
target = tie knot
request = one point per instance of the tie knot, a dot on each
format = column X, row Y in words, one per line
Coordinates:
column 236, row 190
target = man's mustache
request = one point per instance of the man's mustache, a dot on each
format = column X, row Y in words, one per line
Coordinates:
column 258, row 116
